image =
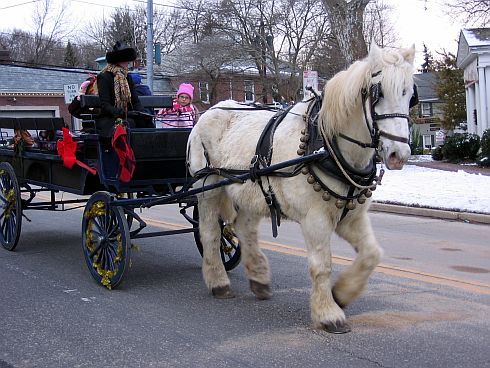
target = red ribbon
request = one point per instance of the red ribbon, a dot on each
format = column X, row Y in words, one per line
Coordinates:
column 66, row 150
column 127, row 161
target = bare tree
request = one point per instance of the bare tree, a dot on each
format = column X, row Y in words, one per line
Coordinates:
column 475, row 12
column 377, row 24
column 301, row 27
column 346, row 22
column 50, row 28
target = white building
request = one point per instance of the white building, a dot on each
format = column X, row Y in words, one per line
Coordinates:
column 474, row 58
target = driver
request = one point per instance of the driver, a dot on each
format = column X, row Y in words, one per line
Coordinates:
column 117, row 94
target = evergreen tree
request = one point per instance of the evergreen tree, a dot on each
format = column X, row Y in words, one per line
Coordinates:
column 427, row 65
column 70, row 58
column 450, row 89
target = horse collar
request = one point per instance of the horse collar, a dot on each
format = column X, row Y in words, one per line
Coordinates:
column 333, row 164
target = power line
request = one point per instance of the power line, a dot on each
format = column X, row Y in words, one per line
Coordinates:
column 13, row 6
column 136, row 1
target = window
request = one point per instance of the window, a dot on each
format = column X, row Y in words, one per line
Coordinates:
column 249, row 91
column 426, row 109
column 429, row 141
column 204, row 92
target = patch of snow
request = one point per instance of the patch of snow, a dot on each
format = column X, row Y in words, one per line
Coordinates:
column 423, row 187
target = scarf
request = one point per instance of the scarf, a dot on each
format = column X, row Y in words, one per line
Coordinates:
column 121, row 86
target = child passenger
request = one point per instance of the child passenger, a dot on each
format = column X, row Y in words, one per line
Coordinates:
column 183, row 114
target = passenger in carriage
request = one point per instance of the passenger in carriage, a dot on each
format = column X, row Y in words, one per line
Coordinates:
column 141, row 89
column 183, row 114
column 117, row 93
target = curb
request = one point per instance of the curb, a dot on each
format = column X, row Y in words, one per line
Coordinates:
column 478, row 218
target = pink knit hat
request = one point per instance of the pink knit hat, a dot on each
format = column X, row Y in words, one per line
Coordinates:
column 186, row 88
column 83, row 87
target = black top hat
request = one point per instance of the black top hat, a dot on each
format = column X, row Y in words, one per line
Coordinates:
column 120, row 52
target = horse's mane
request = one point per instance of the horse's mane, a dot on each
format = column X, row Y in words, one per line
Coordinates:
column 342, row 93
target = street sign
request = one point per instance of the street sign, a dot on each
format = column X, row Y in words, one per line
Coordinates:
column 310, row 79
column 440, row 136
column 71, row 90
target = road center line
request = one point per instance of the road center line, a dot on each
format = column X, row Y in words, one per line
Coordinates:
column 472, row 286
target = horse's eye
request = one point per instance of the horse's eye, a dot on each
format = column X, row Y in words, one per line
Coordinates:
column 404, row 92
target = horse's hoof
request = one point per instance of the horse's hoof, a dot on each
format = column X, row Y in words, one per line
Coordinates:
column 261, row 291
column 336, row 327
column 341, row 305
column 222, row 292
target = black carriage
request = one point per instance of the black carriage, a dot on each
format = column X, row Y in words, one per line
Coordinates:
column 109, row 221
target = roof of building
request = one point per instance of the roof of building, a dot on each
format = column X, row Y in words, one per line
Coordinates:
column 426, row 86
column 26, row 79
column 477, row 36
column 472, row 41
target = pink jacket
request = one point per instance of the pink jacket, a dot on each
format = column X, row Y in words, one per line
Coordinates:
column 177, row 117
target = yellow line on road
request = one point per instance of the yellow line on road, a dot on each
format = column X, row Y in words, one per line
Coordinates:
column 472, row 286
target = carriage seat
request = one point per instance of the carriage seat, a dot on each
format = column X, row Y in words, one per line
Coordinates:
column 45, row 131
column 89, row 121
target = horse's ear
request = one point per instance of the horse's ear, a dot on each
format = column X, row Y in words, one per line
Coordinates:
column 409, row 54
column 374, row 48
column 374, row 52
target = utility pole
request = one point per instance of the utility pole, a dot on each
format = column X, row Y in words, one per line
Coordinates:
column 149, row 44
column 263, row 46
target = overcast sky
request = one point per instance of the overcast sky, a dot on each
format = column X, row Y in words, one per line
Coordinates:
column 415, row 21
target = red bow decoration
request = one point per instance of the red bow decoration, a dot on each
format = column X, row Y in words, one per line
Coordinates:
column 127, row 161
column 66, row 150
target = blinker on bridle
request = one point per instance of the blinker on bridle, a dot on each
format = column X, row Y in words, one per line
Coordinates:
column 374, row 95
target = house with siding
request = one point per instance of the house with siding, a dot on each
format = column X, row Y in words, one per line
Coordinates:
column 428, row 113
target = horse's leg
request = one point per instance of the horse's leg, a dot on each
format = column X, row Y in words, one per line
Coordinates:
column 357, row 230
column 254, row 260
column 213, row 270
column 325, row 313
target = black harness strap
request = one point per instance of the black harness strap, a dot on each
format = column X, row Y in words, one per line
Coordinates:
column 263, row 158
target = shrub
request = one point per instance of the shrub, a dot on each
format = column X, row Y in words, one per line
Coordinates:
column 461, row 146
column 437, row 153
column 484, row 157
column 415, row 142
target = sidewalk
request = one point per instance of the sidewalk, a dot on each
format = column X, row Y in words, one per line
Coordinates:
column 437, row 213
column 431, row 212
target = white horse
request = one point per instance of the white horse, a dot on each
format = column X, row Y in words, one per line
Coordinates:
column 367, row 103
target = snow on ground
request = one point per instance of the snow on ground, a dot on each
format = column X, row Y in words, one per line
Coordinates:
column 423, row 187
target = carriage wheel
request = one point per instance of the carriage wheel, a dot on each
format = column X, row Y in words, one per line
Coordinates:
column 11, row 207
column 230, row 246
column 106, row 240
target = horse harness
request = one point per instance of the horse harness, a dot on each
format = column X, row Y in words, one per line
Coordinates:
column 331, row 163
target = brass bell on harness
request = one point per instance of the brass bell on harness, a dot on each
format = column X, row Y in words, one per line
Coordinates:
column 317, row 187
column 339, row 203
column 368, row 193
column 305, row 171
column 302, row 146
column 310, row 179
column 300, row 152
column 326, row 196
column 361, row 200
column 350, row 205
column 373, row 187
column 304, row 138
column 303, row 131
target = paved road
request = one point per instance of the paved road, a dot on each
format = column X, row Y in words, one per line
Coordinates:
column 53, row 315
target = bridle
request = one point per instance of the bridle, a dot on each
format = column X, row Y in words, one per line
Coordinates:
column 373, row 96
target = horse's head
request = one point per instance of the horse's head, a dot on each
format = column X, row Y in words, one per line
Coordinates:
column 387, row 98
